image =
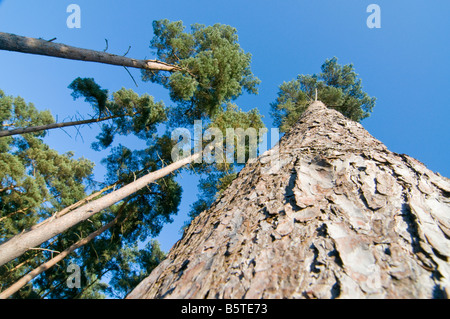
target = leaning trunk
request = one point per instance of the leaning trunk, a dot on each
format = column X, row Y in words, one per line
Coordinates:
column 329, row 213
column 17, row 43
column 40, row 128
column 35, row 236
column 55, row 260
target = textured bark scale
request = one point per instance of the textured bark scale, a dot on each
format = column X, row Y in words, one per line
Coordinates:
column 340, row 217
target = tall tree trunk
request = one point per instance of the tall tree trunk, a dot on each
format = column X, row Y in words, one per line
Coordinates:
column 19, row 244
column 340, row 217
column 12, row 42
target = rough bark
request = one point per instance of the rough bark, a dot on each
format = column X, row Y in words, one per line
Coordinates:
column 12, row 42
column 19, row 244
column 340, row 217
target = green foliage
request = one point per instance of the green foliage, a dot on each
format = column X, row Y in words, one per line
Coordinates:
column 218, row 176
column 31, row 173
column 132, row 114
column 15, row 113
column 132, row 266
column 92, row 93
column 141, row 114
column 338, row 87
column 233, row 117
column 216, row 69
column 36, row 181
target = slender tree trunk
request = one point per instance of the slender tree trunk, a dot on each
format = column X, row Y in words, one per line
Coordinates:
column 340, row 216
column 52, row 262
column 25, row 262
column 12, row 42
column 19, row 244
column 75, row 206
column 34, row 129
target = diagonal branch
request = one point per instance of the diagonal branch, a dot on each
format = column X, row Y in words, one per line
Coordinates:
column 53, row 126
column 21, row 211
column 19, row 244
column 12, row 42
column 37, row 271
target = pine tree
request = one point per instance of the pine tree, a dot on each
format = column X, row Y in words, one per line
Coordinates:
column 202, row 83
column 329, row 213
column 219, row 70
column 216, row 177
column 141, row 215
column 337, row 86
column 34, row 179
column 127, row 112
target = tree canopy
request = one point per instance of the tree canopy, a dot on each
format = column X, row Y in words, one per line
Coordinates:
column 218, row 176
column 338, row 87
column 219, row 69
column 208, row 69
column 36, row 182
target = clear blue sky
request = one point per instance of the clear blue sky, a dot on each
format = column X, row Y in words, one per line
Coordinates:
column 404, row 64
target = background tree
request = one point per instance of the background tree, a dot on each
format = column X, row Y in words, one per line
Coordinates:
column 36, row 181
column 124, row 110
column 131, row 113
column 338, row 87
column 31, row 173
column 219, row 69
column 208, row 86
column 216, row 177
